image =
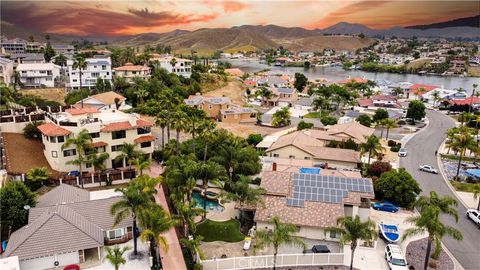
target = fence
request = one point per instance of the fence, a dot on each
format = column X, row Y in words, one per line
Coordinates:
column 28, row 114
column 256, row 262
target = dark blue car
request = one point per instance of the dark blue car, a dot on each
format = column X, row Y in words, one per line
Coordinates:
column 385, row 206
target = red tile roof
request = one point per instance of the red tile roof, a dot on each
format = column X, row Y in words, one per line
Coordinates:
column 465, row 101
column 99, row 144
column 365, row 102
column 143, row 123
column 357, row 80
column 146, row 138
column 414, row 88
column 50, row 129
column 79, row 111
column 117, row 126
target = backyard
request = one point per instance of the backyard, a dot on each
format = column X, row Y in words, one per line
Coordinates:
column 227, row 231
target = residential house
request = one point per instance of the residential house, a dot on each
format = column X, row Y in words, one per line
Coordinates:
column 303, row 166
column 99, row 66
column 130, row 71
column 178, row 66
column 274, row 81
column 379, row 101
column 28, row 58
column 312, row 202
column 38, row 75
column 67, row 228
column 35, row 46
column 429, row 96
column 104, row 101
column 417, row 90
column 6, row 71
column 109, row 129
column 470, row 101
column 65, row 49
column 222, row 109
column 304, row 103
column 16, row 45
column 283, row 97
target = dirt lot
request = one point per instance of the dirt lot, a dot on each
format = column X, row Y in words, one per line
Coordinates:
column 234, row 90
column 243, row 130
column 55, row 94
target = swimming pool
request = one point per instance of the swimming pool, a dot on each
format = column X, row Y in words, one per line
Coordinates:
column 211, row 205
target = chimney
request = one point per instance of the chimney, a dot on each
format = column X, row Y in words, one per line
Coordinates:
column 274, row 166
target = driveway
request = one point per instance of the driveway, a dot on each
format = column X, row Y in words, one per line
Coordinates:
column 421, row 149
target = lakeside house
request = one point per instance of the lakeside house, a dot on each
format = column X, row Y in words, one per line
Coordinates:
column 178, row 66
column 312, row 202
column 222, row 109
column 99, row 66
column 130, row 71
column 108, row 128
column 415, row 91
column 67, row 227
column 38, row 74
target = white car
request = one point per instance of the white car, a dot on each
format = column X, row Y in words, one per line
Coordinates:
column 428, row 168
column 395, row 258
column 474, row 215
column 402, row 152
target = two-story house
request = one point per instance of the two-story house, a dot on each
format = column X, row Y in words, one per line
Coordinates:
column 99, row 66
column 178, row 66
column 109, row 130
column 104, row 101
column 130, row 71
column 6, row 71
column 38, row 75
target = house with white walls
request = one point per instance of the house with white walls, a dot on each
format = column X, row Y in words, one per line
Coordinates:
column 178, row 66
column 6, row 71
column 38, row 74
column 99, row 66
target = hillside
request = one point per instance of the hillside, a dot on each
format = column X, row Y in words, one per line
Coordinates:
column 468, row 22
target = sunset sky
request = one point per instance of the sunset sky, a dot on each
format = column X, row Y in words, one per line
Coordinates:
column 113, row 18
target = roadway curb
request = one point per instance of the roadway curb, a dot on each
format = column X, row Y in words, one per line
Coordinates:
column 442, row 172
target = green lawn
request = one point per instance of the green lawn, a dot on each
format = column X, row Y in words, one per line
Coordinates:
column 454, row 157
column 313, row 115
column 228, row 231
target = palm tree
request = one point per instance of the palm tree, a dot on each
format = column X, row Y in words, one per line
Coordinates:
column 209, row 171
column 173, row 62
column 372, row 146
column 243, row 194
column 476, row 194
column 462, row 142
column 193, row 245
column 135, row 197
column 351, row 230
column 115, row 255
column 142, row 162
column 82, row 142
column 397, row 91
column 80, row 63
column 162, row 121
column 188, row 212
column 420, row 91
column 179, row 124
column 389, row 123
column 128, row 154
column 435, row 96
column 428, row 222
column 208, row 127
column 281, row 234
column 155, row 221
column 38, row 174
column 98, row 162
column 380, row 124
column 281, row 118
column 265, row 93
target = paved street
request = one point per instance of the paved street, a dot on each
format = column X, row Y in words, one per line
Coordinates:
column 421, row 149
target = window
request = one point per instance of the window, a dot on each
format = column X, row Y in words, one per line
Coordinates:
column 100, row 149
column 88, row 165
column 53, row 139
column 60, row 139
column 334, row 235
column 145, row 144
column 291, row 157
column 275, row 155
column 74, row 80
column 104, row 67
column 116, row 148
column 306, row 157
column 68, row 153
column 95, row 135
column 95, row 74
column 144, row 130
column 115, row 234
column 54, row 154
column 119, row 134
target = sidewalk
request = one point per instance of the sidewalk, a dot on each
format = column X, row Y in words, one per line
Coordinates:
column 173, row 259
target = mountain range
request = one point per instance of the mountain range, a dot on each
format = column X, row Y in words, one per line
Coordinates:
column 253, row 37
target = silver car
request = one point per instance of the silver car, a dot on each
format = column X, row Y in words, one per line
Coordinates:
column 402, row 152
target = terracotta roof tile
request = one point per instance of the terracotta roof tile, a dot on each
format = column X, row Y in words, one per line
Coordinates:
column 99, row 144
column 79, row 111
column 50, row 129
column 143, row 123
column 131, row 67
column 117, row 126
column 147, row 138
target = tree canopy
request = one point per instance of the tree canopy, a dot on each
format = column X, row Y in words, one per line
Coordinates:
column 416, row 110
column 397, row 186
column 14, row 197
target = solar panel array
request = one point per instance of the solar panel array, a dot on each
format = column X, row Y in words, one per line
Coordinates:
column 325, row 188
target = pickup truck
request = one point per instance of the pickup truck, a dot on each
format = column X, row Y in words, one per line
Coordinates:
column 474, row 215
column 428, row 168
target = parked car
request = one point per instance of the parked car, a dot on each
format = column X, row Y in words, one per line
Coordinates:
column 474, row 215
column 428, row 168
column 402, row 152
column 395, row 258
column 385, row 206
column 72, row 267
column 320, row 249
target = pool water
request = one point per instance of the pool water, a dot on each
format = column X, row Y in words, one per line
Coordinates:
column 212, row 205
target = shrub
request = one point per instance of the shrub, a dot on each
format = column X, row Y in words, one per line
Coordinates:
column 31, row 130
column 377, row 168
column 304, row 125
column 158, row 155
column 397, row 186
column 254, row 139
column 257, row 180
column 365, row 120
column 391, row 143
column 328, row 120
column 395, row 148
